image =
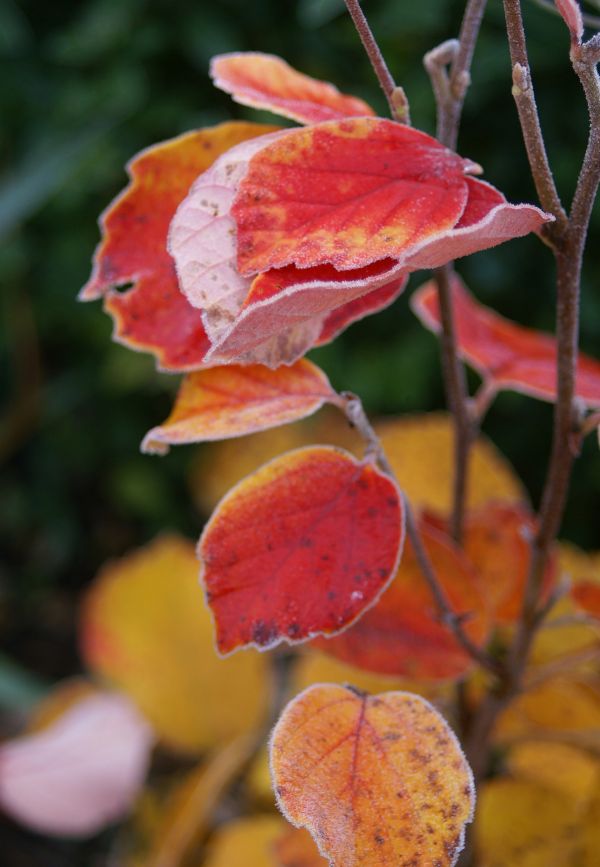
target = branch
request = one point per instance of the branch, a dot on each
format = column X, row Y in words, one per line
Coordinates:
column 352, row 406
column 529, row 119
column 567, row 425
column 395, row 95
column 450, row 87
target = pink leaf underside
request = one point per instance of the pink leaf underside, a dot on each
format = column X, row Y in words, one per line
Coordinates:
column 315, row 304
column 81, row 773
column 506, row 354
column 571, row 14
column 267, row 82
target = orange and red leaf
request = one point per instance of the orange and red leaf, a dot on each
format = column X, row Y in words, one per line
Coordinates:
column 224, row 402
column 346, row 193
column 377, row 780
column 300, row 548
column 505, row 354
column 268, row 82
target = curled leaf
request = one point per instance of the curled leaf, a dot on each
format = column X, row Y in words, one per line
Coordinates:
column 571, row 14
column 300, row 548
column 377, row 780
column 268, row 82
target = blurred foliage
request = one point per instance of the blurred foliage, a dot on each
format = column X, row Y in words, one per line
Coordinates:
column 86, row 84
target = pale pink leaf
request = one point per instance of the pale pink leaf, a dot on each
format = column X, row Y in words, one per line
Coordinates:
column 79, row 774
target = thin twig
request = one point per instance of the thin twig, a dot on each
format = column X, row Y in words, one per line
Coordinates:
column 450, row 87
column 395, row 95
column 524, row 96
column 352, row 406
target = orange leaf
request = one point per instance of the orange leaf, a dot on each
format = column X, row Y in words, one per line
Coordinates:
column 402, row 634
column 300, row 548
column 267, row 82
column 225, row 402
column 296, row 848
column 506, row 355
column 348, row 193
column 153, row 315
column 497, row 540
column 144, row 627
column 377, row 780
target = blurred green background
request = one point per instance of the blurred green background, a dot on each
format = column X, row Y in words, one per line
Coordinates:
column 86, row 84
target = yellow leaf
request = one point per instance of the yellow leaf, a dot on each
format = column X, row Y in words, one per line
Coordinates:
column 245, row 843
column 558, row 767
column 420, row 450
column 559, row 709
column 313, row 667
column 521, row 824
column 224, row 464
column 145, row 627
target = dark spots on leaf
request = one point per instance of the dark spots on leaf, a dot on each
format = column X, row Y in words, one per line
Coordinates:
column 454, row 810
column 325, row 557
column 379, row 839
column 372, row 512
column 331, row 595
column 362, row 484
column 467, row 791
column 392, row 736
column 392, row 501
column 306, row 542
column 263, row 633
column 206, row 145
column 281, row 791
column 430, row 829
column 293, row 629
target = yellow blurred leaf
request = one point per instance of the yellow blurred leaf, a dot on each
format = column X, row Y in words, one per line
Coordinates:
column 222, row 465
column 245, row 843
column 558, row 767
column 521, row 824
column 313, row 667
column 258, row 780
column 420, row 450
column 145, row 628
column 559, row 709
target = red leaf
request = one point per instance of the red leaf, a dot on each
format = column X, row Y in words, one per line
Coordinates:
column 505, row 354
column 225, row 402
column 153, row 315
column 300, row 548
column 571, row 13
column 402, row 634
column 347, row 193
column 265, row 81
column 377, row 780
